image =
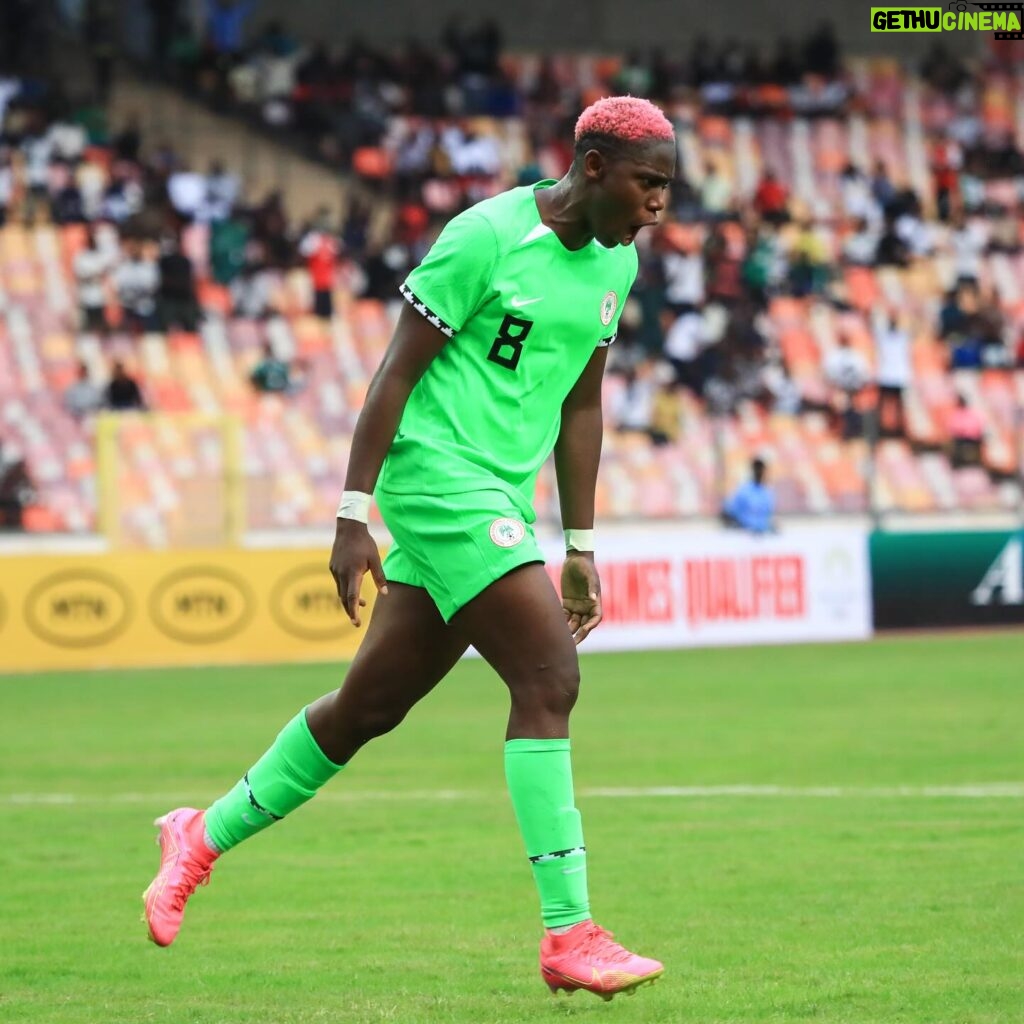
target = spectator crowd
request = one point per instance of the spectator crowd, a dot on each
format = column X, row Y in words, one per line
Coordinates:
column 424, row 132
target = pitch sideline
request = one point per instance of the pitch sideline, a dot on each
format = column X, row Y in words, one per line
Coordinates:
column 967, row 791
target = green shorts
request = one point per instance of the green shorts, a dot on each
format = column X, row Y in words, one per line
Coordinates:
column 456, row 546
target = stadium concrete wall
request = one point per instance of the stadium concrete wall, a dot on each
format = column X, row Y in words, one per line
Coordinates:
column 606, row 26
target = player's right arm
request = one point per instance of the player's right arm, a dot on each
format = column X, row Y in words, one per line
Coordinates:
column 414, row 346
column 442, row 293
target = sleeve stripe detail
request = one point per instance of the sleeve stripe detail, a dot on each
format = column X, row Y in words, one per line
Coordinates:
column 605, row 342
column 425, row 311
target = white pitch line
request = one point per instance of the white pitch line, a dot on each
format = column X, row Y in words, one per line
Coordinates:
column 975, row 791
column 989, row 790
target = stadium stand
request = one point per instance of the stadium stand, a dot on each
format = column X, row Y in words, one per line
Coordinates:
column 868, row 152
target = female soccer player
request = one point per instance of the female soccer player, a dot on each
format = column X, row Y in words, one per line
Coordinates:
column 496, row 361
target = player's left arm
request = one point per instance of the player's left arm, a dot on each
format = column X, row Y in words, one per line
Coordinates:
column 577, row 454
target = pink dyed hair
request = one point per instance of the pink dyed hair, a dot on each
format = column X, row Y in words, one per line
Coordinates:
column 628, row 118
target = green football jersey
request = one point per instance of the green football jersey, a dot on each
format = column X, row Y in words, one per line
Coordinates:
column 524, row 315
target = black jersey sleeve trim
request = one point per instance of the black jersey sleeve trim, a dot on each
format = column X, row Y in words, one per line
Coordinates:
column 605, row 342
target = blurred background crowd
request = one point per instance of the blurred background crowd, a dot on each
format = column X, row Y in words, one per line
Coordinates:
column 836, row 290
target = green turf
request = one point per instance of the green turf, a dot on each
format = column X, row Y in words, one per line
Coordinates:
column 380, row 901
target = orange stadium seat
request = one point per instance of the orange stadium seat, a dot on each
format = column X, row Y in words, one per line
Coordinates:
column 41, row 519
column 862, row 287
column 715, row 131
column 373, row 162
column 215, row 297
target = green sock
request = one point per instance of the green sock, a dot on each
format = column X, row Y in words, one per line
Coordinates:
column 284, row 778
column 539, row 775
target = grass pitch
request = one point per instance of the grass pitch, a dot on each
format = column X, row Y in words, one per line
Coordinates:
column 801, row 833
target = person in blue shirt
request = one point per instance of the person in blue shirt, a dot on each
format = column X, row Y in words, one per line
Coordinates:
column 752, row 506
column 225, row 24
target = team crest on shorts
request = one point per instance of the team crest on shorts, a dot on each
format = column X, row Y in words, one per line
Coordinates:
column 609, row 304
column 507, row 533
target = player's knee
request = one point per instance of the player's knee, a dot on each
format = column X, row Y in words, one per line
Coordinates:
column 552, row 688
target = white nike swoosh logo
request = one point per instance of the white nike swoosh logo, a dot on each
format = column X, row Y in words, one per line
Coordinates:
column 518, row 303
column 572, row 871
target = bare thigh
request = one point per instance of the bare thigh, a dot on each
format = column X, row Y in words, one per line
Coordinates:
column 407, row 651
column 519, row 626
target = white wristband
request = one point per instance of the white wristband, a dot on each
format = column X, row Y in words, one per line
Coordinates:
column 579, row 540
column 354, row 505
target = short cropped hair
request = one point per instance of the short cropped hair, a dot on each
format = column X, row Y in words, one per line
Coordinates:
column 619, row 121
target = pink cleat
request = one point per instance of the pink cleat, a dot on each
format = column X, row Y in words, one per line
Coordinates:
column 185, row 863
column 587, row 957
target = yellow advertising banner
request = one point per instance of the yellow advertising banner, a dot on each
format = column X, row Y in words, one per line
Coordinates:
column 172, row 608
